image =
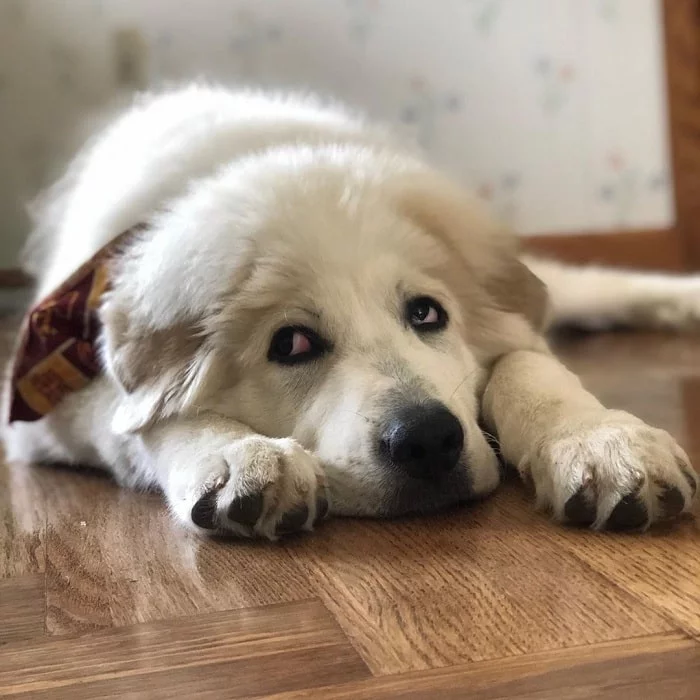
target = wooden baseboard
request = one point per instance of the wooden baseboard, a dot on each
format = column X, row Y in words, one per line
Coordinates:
column 682, row 50
column 14, row 279
column 640, row 250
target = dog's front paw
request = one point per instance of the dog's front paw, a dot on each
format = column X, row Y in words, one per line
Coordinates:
column 256, row 486
column 611, row 470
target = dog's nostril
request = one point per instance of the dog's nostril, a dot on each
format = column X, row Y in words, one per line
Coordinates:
column 424, row 440
column 450, row 442
column 417, row 452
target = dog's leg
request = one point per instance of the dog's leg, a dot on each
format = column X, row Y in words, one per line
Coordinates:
column 589, row 465
column 220, row 477
column 596, row 298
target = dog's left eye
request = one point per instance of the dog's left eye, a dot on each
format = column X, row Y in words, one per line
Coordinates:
column 294, row 345
column 426, row 314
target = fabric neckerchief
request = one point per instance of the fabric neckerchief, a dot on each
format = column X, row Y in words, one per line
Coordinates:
column 57, row 352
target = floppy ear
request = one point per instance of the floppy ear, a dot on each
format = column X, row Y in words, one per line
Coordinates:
column 488, row 253
column 516, row 289
column 161, row 371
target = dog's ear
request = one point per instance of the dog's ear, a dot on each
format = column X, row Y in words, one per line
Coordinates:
column 516, row 289
column 487, row 253
column 161, row 371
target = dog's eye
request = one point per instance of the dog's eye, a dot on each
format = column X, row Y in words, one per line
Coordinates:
column 295, row 344
column 426, row 314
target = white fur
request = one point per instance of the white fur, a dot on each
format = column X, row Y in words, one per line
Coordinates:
column 598, row 298
column 268, row 211
column 566, row 443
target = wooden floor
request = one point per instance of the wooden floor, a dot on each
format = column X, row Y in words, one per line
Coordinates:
column 102, row 597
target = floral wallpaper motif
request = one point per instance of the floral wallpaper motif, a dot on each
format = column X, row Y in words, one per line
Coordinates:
column 609, row 8
column 250, row 38
column 423, row 109
column 625, row 183
column 553, row 110
column 486, row 13
column 555, row 78
column 502, row 193
column 361, row 18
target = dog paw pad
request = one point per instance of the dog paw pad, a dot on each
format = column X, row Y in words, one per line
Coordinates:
column 629, row 514
column 671, row 500
column 580, row 509
column 247, row 509
column 292, row 521
column 203, row 512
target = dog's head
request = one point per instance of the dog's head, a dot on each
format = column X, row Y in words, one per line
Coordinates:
column 343, row 297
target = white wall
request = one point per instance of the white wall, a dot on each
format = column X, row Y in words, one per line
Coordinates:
column 553, row 109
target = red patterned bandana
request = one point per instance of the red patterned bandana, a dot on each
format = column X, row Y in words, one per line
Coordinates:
column 57, row 352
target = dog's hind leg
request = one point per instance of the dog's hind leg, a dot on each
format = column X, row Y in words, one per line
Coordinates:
column 597, row 298
column 77, row 432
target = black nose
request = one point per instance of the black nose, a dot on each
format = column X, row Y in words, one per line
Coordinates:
column 424, row 440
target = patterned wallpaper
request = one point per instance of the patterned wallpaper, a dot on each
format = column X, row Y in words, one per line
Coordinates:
column 553, row 110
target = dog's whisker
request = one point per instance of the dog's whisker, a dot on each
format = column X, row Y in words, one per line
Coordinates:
column 493, row 442
column 461, row 383
column 357, row 413
column 489, row 435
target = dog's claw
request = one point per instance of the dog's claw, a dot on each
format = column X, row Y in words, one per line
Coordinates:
column 246, row 510
column 671, row 500
column 321, row 509
column 292, row 521
column 629, row 514
column 579, row 509
column 204, row 511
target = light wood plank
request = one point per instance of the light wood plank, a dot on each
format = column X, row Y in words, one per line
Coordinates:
column 22, row 520
column 467, row 586
column 116, row 558
column 654, row 668
column 22, row 608
column 232, row 654
column 22, row 501
column 662, row 568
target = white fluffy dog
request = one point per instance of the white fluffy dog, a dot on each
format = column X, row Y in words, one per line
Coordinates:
column 311, row 315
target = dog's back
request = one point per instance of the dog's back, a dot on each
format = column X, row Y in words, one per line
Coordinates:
column 152, row 153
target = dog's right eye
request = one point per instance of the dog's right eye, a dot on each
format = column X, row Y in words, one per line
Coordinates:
column 295, row 344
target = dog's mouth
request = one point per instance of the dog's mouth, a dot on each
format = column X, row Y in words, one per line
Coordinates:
column 420, row 497
column 401, row 495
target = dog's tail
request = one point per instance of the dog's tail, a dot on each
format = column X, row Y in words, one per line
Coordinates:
column 596, row 298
